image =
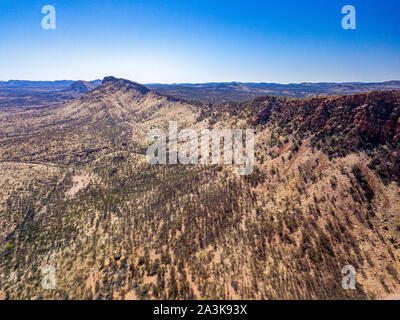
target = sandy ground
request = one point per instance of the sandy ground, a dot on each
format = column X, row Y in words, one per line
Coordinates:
column 79, row 182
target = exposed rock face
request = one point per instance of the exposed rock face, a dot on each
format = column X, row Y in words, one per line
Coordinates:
column 372, row 118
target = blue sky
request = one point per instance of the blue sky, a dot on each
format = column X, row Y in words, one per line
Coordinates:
column 166, row 41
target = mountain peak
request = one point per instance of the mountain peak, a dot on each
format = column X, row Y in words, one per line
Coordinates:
column 81, row 86
column 119, row 82
column 109, row 79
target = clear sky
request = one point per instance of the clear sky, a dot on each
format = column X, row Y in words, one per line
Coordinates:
column 166, row 41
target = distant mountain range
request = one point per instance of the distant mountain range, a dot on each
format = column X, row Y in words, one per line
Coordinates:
column 59, row 84
column 218, row 92
column 22, row 93
column 236, row 91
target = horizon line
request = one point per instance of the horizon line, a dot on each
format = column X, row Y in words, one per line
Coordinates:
column 212, row 82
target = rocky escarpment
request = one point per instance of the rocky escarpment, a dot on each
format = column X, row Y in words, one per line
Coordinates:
column 338, row 125
column 370, row 118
